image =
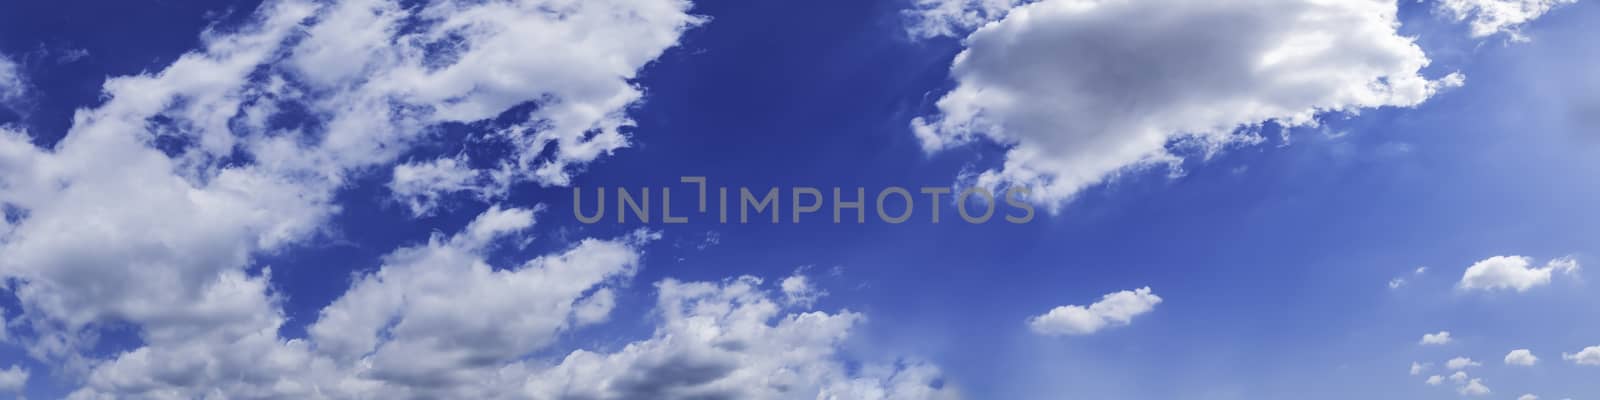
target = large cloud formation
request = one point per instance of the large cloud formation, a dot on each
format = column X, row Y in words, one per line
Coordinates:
column 150, row 215
column 1082, row 90
column 438, row 321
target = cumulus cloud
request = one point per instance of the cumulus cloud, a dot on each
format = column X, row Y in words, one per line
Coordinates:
column 407, row 322
column 434, row 316
column 1081, row 91
column 13, row 379
column 1441, row 338
column 1113, row 309
column 1474, row 387
column 174, row 233
column 1521, row 357
column 1588, row 356
column 1419, row 368
column 730, row 340
column 1490, row 17
column 1461, row 363
column 436, row 320
column 369, row 78
column 178, row 228
column 1513, row 272
column 1528, row 396
column 1435, row 380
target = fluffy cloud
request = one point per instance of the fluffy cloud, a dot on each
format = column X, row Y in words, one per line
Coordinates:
column 174, row 233
column 13, row 379
column 798, row 291
column 409, row 322
column 1474, row 387
column 934, row 18
column 730, row 340
column 1522, row 357
column 184, row 175
column 1461, row 363
column 1113, row 309
column 1435, row 380
column 1419, row 368
column 1443, row 337
column 1588, row 356
column 1084, row 90
column 1513, row 272
column 479, row 59
column 1528, row 396
column 429, row 321
column 1490, row 17
column 437, row 321
column 423, row 185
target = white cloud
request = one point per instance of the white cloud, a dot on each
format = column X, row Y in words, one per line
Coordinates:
column 1400, row 281
column 12, row 85
column 1465, row 385
column 173, row 233
column 1419, row 368
column 1113, row 309
column 728, row 340
column 1461, row 363
column 1528, row 396
column 1513, row 272
column 13, row 379
column 934, row 18
column 423, row 185
column 1522, row 357
column 1084, row 90
column 1490, row 17
column 433, row 321
column 1396, row 283
column 176, row 253
column 1588, row 356
column 437, row 321
column 798, row 291
column 1474, row 387
column 173, row 253
column 1441, row 338
column 408, row 321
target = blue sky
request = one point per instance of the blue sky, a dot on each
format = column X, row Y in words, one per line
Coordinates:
column 372, row 199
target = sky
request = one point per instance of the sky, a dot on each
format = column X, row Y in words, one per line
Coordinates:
column 1237, row 199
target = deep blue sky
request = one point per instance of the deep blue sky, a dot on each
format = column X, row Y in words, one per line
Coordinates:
column 1272, row 259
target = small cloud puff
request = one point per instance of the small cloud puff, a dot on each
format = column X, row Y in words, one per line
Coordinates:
column 1113, row 309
